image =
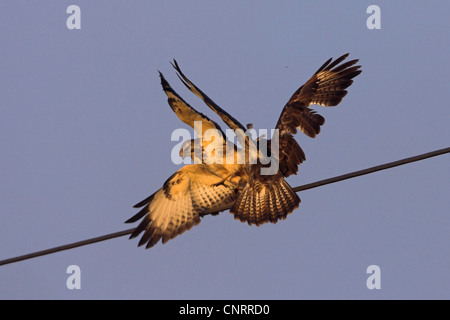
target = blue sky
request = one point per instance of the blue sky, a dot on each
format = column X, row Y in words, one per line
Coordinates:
column 85, row 134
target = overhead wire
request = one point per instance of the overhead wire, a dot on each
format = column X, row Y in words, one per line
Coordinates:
column 296, row 189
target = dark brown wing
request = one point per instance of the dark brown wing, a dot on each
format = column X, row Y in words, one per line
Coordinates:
column 326, row 87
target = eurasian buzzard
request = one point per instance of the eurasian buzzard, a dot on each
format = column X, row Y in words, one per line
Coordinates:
column 209, row 187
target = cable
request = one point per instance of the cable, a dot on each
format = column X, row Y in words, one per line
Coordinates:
column 296, row 189
column 373, row 169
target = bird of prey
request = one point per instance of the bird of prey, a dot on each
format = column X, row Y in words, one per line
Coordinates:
column 209, row 186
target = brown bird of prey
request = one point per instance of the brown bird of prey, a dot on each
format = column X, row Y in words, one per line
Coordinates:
column 209, row 186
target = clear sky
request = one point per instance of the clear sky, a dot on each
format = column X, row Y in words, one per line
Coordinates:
column 85, row 134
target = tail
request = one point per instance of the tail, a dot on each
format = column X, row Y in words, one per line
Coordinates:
column 265, row 201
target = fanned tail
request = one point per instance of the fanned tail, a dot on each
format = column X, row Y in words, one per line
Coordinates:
column 263, row 202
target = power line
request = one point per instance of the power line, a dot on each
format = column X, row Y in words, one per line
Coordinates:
column 296, row 189
column 66, row 247
column 373, row 169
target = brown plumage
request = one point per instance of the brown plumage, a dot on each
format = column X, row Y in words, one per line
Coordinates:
column 326, row 87
column 210, row 187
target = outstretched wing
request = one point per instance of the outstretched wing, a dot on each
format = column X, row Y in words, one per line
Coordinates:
column 190, row 193
column 210, row 135
column 185, row 112
column 239, row 129
column 326, row 87
column 225, row 116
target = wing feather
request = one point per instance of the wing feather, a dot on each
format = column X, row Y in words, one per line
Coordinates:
column 327, row 87
column 190, row 193
column 185, row 112
column 225, row 116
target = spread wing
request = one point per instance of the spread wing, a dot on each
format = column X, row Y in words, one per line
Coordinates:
column 326, row 87
column 239, row 129
column 210, row 135
column 225, row 116
column 190, row 193
column 185, row 112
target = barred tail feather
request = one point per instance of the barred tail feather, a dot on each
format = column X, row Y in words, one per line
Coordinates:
column 265, row 202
